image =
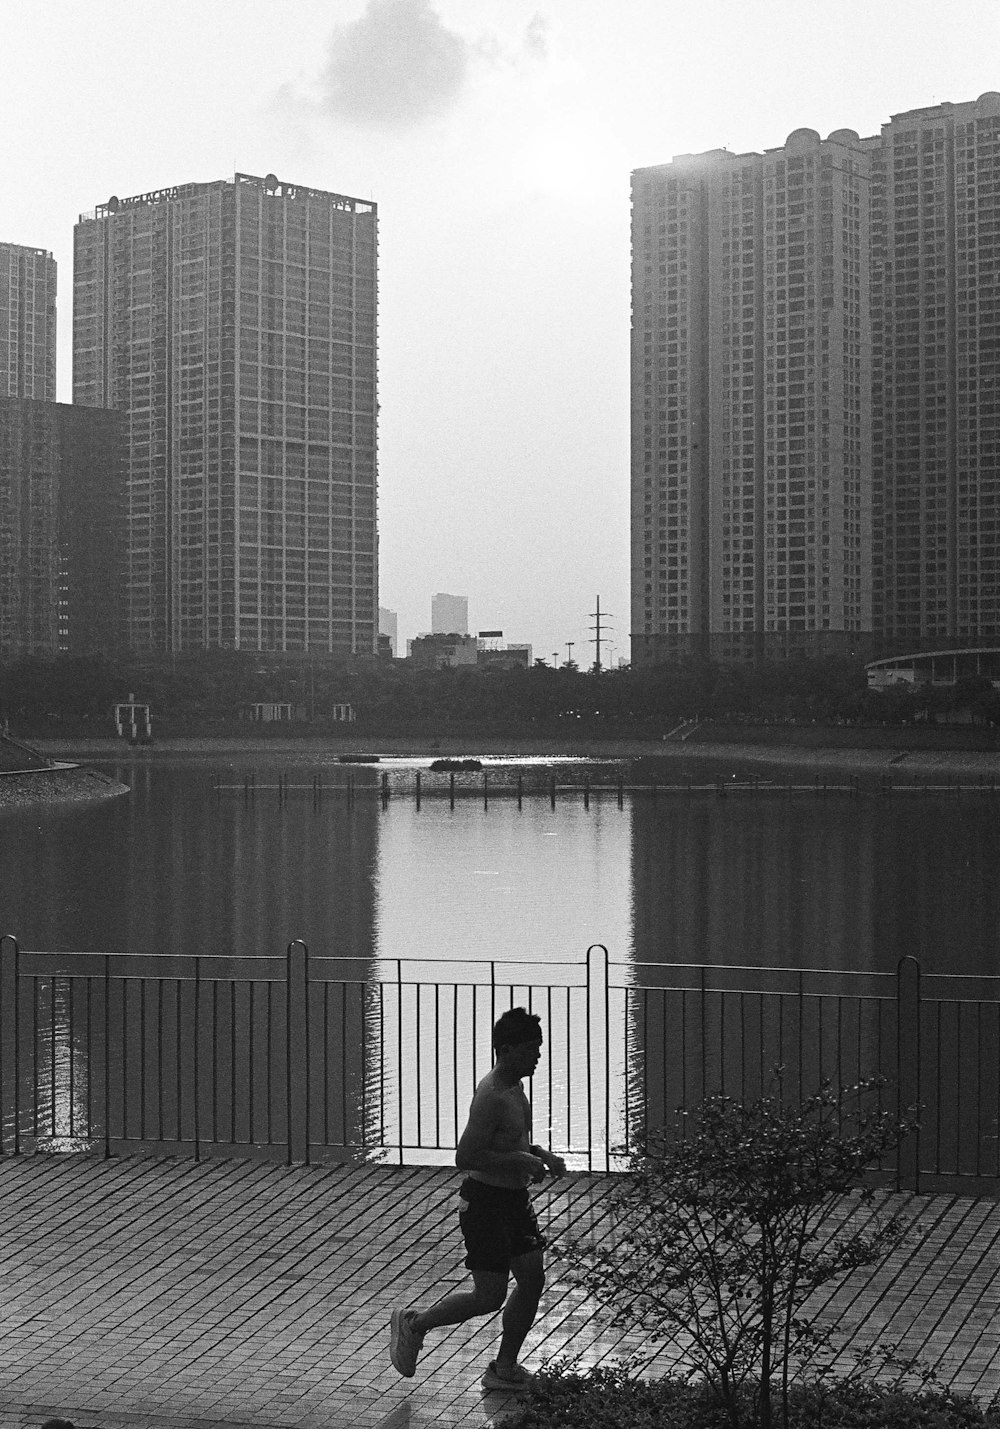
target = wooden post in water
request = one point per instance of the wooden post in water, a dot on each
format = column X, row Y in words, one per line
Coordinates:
column 418, row 790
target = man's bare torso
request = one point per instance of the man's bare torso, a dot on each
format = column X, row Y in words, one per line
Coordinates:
column 510, row 1114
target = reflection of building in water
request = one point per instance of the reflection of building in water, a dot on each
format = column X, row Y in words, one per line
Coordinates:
column 744, row 884
column 761, row 880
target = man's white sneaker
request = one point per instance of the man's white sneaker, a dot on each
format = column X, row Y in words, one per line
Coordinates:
column 405, row 1343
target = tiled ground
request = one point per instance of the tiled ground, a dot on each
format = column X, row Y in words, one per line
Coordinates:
column 166, row 1293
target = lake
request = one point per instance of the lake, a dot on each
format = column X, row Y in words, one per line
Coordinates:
column 767, row 879
column 447, row 904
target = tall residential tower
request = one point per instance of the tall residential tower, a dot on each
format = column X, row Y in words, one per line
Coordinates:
column 936, row 320
column 751, row 401
column 27, row 323
column 234, row 325
column 815, row 378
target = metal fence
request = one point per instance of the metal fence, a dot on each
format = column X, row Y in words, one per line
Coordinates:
column 317, row 1058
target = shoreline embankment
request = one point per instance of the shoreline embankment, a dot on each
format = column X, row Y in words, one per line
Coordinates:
column 58, row 784
column 898, row 762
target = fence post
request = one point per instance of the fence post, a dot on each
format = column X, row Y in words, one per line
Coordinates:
column 599, row 1014
column 9, row 1038
column 196, row 1065
column 908, row 1068
column 297, row 1050
column 107, row 1056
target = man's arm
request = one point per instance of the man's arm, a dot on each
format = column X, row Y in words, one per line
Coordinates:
column 475, row 1148
column 548, row 1158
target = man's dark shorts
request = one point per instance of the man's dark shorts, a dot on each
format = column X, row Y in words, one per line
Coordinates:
column 498, row 1225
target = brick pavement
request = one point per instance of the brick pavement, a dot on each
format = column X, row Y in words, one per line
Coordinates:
column 167, row 1292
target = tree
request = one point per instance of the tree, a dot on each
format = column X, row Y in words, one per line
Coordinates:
column 721, row 1232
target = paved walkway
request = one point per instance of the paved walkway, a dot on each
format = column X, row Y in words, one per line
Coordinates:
column 167, row 1293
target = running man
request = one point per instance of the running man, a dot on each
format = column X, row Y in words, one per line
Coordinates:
column 494, row 1210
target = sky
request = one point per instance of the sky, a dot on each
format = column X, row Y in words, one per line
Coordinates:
column 497, row 138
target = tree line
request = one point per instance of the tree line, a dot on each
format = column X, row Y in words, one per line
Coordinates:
column 214, row 691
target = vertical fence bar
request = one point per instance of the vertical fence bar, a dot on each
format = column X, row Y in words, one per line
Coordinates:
column 196, row 1069
column 399, row 1052
column 297, row 1051
column 107, row 1057
column 10, row 954
column 908, row 1068
column 590, row 1096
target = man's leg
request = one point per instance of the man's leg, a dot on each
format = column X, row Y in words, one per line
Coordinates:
column 519, row 1315
column 486, row 1298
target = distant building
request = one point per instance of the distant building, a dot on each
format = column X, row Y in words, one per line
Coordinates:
column 234, row 323
column 940, row 668
column 449, row 614
column 62, row 482
column 27, row 323
column 503, row 657
column 434, row 652
column 388, row 624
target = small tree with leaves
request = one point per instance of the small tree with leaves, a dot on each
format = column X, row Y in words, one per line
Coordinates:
column 721, row 1230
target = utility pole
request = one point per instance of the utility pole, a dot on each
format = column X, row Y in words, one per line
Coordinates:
column 596, row 616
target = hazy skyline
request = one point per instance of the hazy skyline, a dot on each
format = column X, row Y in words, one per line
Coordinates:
column 497, row 140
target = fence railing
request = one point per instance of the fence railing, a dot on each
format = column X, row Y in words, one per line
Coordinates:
column 315, row 1058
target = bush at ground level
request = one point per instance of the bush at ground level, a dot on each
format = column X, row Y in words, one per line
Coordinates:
column 611, row 1399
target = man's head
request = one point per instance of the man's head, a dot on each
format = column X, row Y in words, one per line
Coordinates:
column 517, row 1040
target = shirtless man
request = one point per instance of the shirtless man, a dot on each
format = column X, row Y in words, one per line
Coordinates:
column 494, row 1210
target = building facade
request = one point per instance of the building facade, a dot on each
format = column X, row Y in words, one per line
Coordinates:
column 936, row 317
column 62, row 485
column 27, row 323
column 815, row 358
column 234, row 325
column 751, row 402
column 449, row 614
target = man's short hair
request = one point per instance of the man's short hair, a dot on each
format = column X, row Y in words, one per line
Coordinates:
column 516, row 1025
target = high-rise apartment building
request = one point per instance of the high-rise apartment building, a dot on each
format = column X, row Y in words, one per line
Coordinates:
column 751, row 401
column 27, row 323
column 815, row 349
column 936, row 329
column 61, row 529
column 449, row 614
column 234, row 325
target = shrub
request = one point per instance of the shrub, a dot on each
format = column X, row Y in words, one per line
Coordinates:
column 610, row 1398
column 722, row 1229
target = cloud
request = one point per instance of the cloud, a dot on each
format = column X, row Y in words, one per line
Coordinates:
column 394, row 67
column 536, row 41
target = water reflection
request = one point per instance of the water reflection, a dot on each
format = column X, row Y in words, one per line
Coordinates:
column 419, row 902
column 817, row 882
